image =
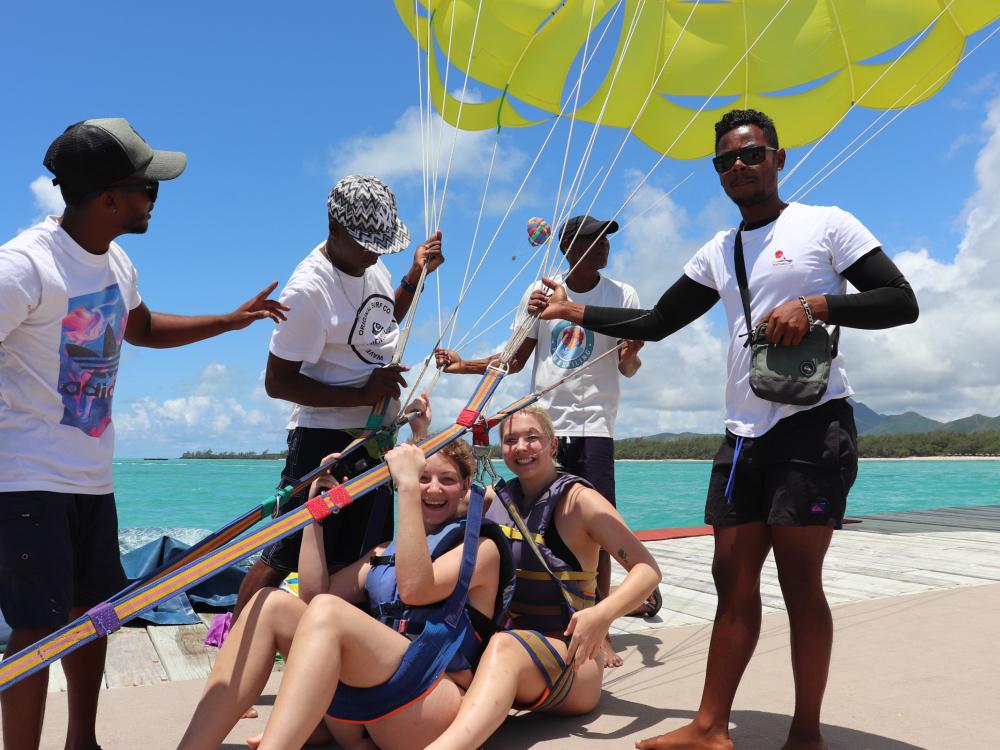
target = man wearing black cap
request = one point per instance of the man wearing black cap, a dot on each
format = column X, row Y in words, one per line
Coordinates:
column 583, row 409
column 68, row 298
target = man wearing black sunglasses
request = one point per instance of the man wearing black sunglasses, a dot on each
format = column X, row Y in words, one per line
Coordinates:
column 781, row 477
column 68, row 298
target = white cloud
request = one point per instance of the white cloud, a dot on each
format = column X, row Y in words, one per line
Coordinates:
column 222, row 409
column 945, row 365
column 397, row 155
column 48, row 199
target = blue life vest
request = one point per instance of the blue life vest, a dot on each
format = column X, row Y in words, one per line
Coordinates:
column 544, row 600
column 446, row 636
column 385, row 605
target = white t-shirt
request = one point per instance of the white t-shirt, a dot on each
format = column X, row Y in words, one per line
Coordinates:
column 802, row 253
column 62, row 321
column 586, row 405
column 341, row 327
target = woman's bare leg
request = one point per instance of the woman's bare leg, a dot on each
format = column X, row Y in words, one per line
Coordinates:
column 335, row 641
column 507, row 675
column 244, row 664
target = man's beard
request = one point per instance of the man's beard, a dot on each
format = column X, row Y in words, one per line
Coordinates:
column 754, row 199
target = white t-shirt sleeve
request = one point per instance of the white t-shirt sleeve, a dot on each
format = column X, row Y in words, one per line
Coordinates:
column 522, row 313
column 20, row 290
column 850, row 240
column 132, row 297
column 699, row 268
column 298, row 339
column 630, row 298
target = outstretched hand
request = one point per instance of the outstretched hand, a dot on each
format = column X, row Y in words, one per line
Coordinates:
column 257, row 308
column 546, row 304
column 448, row 361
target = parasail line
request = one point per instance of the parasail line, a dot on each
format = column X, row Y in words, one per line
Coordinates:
column 856, row 101
column 902, row 111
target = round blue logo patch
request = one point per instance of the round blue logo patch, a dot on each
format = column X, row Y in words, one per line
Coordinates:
column 571, row 345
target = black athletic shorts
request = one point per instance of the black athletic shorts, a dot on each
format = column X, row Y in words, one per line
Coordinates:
column 348, row 534
column 58, row 551
column 590, row 458
column 796, row 474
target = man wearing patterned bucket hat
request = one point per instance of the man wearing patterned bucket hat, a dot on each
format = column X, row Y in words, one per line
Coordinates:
column 332, row 357
column 68, row 302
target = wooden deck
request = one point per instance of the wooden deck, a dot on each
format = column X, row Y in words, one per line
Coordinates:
column 890, row 555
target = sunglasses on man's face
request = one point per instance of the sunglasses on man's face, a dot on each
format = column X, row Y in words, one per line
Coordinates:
column 749, row 155
column 151, row 188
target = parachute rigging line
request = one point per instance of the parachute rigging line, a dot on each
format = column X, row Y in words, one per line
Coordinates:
column 856, row 101
column 801, row 193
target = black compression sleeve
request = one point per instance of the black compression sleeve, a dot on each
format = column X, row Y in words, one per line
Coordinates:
column 685, row 301
column 884, row 297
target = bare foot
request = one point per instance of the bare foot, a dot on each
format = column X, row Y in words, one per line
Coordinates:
column 804, row 742
column 688, row 738
column 254, row 742
column 251, row 713
column 609, row 656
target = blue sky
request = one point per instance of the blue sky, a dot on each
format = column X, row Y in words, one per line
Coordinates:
column 272, row 104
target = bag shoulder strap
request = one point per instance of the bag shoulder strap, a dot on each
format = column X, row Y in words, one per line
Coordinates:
column 741, row 279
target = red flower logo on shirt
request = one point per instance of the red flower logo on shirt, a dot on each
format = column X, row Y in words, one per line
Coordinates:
column 780, row 259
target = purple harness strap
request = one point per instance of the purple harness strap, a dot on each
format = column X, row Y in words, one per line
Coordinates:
column 105, row 619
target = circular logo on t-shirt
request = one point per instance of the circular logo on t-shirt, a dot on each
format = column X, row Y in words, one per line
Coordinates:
column 373, row 325
column 571, row 345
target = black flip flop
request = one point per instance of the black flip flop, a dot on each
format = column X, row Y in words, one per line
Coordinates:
column 651, row 606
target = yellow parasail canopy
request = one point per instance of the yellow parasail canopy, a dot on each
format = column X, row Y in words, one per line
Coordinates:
column 805, row 71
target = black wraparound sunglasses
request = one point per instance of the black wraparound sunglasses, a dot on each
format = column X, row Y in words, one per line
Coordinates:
column 749, row 155
column 151, row 189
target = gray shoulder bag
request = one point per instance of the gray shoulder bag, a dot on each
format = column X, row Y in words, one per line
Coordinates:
column 785, row 374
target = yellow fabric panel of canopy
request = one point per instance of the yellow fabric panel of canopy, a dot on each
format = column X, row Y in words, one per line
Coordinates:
column 809, row 65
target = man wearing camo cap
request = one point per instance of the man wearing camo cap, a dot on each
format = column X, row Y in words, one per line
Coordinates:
column 330, row 359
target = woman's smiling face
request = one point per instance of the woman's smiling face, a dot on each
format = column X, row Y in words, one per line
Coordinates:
column 442, row 489
column 528, row 449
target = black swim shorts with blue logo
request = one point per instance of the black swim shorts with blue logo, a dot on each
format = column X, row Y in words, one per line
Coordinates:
column 798, row 473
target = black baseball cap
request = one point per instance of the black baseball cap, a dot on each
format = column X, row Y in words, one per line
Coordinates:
column 585, row 226
column 93, row 154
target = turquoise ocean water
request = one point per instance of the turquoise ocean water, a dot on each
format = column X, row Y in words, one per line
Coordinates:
column 185, row 497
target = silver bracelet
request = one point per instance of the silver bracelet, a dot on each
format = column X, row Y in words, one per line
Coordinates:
column 809, row 313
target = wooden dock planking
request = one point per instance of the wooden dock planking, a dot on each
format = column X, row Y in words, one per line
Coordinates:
column 182, row 651
column 886, row 555
column 132, row 660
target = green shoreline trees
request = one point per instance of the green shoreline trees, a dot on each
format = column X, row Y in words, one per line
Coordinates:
column 703, row 447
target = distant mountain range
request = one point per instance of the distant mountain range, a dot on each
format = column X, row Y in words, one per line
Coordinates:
column 871, row 422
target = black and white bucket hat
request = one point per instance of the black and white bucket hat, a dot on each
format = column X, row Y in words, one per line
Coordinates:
column 366, row 208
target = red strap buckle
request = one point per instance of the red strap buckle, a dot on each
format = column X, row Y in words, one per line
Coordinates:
column 467, row 418
column 337, row 497
column 318, row 508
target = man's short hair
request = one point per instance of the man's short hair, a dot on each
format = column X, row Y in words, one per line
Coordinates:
column 739, row 117
column 76, row 196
